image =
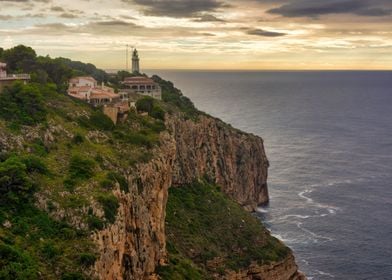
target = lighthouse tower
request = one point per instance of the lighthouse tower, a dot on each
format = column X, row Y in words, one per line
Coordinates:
column 135, row 62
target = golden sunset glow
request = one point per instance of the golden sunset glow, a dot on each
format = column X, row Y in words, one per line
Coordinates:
column 206, row 34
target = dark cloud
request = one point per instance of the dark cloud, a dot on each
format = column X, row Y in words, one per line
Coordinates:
column 115, row 23
column 316, row 8
column 68, row 15
column 178, row 8
column 265, row 33
column 208, row 18
column 57, row 9
column 5, row 17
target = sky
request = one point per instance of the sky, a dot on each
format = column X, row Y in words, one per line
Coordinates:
column 206, row 34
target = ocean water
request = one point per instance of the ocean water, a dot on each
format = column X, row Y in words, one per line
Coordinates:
column 328, row 136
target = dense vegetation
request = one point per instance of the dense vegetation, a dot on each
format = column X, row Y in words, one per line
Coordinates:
column 208, row 234
column 60, row 160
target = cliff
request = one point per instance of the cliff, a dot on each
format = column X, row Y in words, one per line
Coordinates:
column 81, row 198
column 234, row 160
column 135, row 244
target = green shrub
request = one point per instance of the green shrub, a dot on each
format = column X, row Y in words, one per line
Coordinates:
column 97, row 120
column 100, row 121
column 22, row 104
column 120, row 179
column 15, row 264
column 145, row 104
column 78, row 139
column 87, row 259
column 72, row 276
column 110, row 205
column 15, row 185
column 95, row 223
column 35, row 164
column 158, row 113
column 81, row 167
column 49, row 250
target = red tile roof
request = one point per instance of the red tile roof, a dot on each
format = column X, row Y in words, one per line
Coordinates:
column 139, row 80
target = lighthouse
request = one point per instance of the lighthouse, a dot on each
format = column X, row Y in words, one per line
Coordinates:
column 135, row 62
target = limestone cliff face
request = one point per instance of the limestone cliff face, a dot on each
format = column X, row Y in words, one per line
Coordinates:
column 234, row 160
column 134, row 245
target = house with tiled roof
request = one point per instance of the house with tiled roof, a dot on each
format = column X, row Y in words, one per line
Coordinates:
column 87, row 89
column 143, row 85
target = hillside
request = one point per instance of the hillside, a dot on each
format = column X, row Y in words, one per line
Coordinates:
column 82, row 198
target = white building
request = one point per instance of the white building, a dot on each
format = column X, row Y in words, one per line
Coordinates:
column 144, row 86
column 87, row 89
column 83, row 82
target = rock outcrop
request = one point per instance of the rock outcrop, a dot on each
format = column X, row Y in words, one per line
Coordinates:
column 135, row 244
column 286, row 269
column 234, row 160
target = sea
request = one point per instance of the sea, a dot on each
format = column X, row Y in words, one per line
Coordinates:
column 328, row 137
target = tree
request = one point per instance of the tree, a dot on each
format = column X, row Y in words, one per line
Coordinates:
column 145, row 104
column 22, row 104
column 20, row 59
column 14, row 182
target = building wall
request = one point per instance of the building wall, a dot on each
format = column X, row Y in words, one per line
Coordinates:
column 84, row 82
column 111, row 112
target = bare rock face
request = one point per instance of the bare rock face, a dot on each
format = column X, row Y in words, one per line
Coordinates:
column 135, row 244
column 234, row 160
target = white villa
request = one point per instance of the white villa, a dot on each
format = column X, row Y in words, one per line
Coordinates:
column 87, row 89
column 144, row 86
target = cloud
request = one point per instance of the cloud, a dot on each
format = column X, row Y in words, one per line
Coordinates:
column 208, row 18
column 178, row 8
column 5, row 17
column 57, row 9
column 68, row 15
column 316, row 8
column 265, row 33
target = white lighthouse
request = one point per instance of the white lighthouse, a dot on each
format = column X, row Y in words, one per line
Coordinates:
column 135, row 62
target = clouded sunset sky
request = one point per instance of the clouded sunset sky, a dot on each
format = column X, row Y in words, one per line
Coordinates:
column 206, row 34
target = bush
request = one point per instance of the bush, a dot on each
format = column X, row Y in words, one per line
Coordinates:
column 15, row 264
column 87, row 259
column 100, row 121
column 72, row 276
column 14, row 181
column 145, row 104
column 81, row 167
column 158, row 113
column 35, row 164
column 95, row 223
column 22, row 104
column 110, row 205
column 49, row 250
column 78, row 139
column 112, row 178
column 97, row 120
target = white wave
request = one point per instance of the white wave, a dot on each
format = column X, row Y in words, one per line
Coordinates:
column 262, row 210
column 316, row 237
column 325, row 273
column 302, row 194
